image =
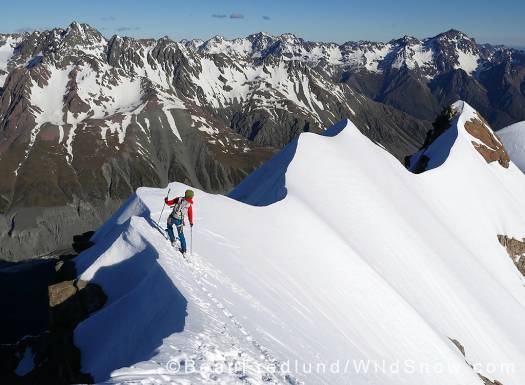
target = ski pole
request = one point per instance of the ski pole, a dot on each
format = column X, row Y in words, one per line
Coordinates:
column 160, row 216
column 191, row 240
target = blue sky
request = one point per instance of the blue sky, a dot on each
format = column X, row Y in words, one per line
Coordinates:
column 327, row 20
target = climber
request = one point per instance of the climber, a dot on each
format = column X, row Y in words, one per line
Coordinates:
column 182, row 206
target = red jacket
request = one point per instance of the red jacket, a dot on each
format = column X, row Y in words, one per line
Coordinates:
column 190, row 208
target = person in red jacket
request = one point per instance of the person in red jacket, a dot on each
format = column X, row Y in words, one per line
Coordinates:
column 182, row 207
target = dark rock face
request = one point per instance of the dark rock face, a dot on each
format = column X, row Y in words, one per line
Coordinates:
column 418, row 162
column 51, row 301
column 24, row 299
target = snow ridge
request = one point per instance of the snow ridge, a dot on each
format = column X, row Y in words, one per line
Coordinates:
column 389, row 270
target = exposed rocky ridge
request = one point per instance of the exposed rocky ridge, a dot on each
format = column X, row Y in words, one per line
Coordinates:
column 84, row 121
column 516, row 250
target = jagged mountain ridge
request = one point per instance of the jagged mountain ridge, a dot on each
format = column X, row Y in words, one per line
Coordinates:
column 432, row 72
column 84, row 120
column 432, row 56
column 146, row 111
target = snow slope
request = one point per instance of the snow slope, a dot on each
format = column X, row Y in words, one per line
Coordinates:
column 7, row 48
column 346, row 260
column 513, row 137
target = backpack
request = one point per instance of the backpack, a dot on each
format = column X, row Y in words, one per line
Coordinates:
column 180, row 208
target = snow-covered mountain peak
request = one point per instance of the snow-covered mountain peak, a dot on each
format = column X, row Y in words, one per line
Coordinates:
column 220, row 45
column 453, row 34
column 81, row 34
column 406, row 40
column 290, row 38
column 458, row 51
column 476, row 132
column 193, row 44
column 460, row 132
column 259, row 36
column 216, row 40
column 429, row 57
column 81, row 28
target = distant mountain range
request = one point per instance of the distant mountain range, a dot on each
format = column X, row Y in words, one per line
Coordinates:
column 85, row 120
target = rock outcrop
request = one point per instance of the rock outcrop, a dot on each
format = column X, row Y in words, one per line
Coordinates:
column 487, row 143
column 516, row 250
column 485, row 380
column 50, row 356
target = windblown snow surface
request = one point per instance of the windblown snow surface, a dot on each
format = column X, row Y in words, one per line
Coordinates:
column 330, row 254
column 513, row 138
